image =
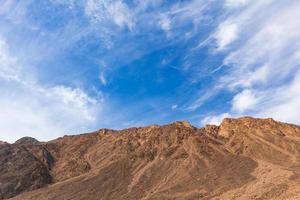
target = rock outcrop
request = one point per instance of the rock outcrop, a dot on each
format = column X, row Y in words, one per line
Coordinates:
column 27, row 140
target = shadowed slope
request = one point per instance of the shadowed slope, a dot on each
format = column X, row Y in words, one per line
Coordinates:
column 20, row 171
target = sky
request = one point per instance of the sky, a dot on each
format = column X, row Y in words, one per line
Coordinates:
column 74, row 66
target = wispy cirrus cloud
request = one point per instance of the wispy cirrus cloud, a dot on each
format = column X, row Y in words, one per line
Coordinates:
column 262, row 65
column 30, row 108
column 8, row 69
column 67, row 64
column 104, row 11
column 236, row 3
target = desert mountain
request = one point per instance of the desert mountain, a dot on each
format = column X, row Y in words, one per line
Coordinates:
column 243, row 158
column 27, row 140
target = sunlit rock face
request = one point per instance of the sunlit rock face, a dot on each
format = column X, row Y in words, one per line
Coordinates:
column 243, row 158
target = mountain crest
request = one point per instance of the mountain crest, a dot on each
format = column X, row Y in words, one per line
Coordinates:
column 26, row 140
column 183, row 124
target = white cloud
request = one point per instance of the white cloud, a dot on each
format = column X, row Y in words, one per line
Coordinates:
column 243, row 101
column 265, row 59
column 109, row 17
column 8, row 68
column 179, row 15
column 165, row 23
column 29, row 108
column 204, row 96
column 45, row 113
column 263, row 52
column 104, row 11
column 226, row 34
column 214, row 119
column 282, row 103
column 102, row 78
column 74, row 97
column 174, row 107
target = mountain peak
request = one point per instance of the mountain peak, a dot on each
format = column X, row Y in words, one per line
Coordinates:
column 2, row 142
column 186, row 124
column 26, row 140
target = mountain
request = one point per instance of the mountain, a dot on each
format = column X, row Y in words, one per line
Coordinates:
column 27, row 140
column 243, row 158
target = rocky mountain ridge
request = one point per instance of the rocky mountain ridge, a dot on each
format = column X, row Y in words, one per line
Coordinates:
column 243, row 158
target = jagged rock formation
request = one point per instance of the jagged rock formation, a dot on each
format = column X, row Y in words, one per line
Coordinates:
column 242, row 158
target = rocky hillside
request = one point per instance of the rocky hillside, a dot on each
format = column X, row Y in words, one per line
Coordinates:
column 243, row 158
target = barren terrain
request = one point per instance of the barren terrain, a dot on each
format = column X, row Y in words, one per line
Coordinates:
column 243, row 158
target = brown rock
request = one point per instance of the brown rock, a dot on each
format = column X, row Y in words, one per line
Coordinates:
column 20, row 171
column 243, row 158
column 2, row 143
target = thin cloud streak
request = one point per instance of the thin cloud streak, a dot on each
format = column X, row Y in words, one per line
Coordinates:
column 267, row 48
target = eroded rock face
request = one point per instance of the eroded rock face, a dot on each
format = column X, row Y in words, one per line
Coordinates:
column 239, row 159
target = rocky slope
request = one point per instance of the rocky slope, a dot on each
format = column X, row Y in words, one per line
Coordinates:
column 243, row 158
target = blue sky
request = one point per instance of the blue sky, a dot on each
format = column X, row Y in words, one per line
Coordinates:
column 73, row 66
